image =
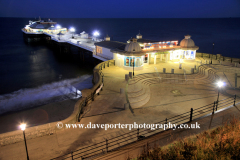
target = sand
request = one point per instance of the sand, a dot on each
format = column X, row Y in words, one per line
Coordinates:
column 38, row 115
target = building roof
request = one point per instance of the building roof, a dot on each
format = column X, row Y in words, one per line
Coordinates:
column 145, row 40
column 187, row 42
column 130, row 49
column 139, row 34
column 38, row 25
column 111, row 45
column 133, row 46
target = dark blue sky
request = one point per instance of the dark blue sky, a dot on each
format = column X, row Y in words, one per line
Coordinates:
column 120, row 8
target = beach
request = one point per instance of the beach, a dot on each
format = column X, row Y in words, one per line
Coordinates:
column 52, row 112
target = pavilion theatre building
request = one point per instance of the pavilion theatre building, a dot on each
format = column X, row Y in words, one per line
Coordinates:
column 139, row 52
column 41, row 26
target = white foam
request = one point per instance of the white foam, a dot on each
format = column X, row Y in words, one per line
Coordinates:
column 56, row 91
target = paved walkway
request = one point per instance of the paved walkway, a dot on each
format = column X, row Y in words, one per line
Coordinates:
column 108, row 107
column 209, row 122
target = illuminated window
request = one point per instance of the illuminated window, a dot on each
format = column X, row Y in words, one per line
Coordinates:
column 130, row 61
column 99, row 50
column 192, row 55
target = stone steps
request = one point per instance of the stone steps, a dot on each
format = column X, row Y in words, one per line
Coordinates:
column 140, row 100
column 139, row 90
column 134, row 88
column 136, row 94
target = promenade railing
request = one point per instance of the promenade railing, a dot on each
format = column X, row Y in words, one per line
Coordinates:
column 97, row 88
column 111, row 144
column 135, row 135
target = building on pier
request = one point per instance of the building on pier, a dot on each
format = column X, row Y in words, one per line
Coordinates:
column 139, row 52
column 44, row 26
column 104, row 48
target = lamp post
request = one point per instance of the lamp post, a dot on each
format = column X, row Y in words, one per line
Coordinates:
column 23, row 126
column 58, row 26
column 220, row 85
column 96, row 33
column 213, row 50
column 72, row 30
column 133, row 67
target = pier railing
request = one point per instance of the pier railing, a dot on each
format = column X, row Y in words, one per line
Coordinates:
column 112, row 144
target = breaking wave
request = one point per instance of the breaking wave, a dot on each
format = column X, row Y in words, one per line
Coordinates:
column 48, row 93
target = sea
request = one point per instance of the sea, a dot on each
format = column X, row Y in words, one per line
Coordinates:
column 32, row 74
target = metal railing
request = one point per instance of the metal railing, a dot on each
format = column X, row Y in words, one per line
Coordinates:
column 115, row 143
column 93, row 94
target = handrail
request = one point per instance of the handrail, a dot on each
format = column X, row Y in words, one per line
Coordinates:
column 114, row 143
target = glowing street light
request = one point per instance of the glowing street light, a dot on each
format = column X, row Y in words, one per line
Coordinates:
column 58, row 26
column 72, row 30
column 220, row 84
column 96, row 34
column 23, row 127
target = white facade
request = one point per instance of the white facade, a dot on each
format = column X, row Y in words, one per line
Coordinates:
column 133, row 56
column 182, row 54
column 107, row 53
column 127, row 62
column 104, row 52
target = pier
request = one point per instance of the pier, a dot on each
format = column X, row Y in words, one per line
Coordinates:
column 68, row 40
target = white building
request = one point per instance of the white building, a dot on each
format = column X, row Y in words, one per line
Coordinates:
column 139, row 52
column 103, row 48
column 44, row 26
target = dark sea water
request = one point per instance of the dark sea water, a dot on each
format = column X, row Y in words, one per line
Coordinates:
column 33, row 73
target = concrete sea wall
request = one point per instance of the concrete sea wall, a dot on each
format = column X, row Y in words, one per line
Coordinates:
column 51, row 128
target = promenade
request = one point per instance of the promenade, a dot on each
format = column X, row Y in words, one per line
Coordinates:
column 163, row 100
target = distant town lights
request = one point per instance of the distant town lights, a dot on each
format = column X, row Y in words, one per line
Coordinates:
column 23, row 126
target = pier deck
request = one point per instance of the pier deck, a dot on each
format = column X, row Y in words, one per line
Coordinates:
column 84, row 43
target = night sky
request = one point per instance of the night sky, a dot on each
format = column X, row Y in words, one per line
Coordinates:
column 120, row 8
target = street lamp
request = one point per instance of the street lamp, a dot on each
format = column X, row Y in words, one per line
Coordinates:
column 96, row 34
column 220, row 84
column 23, row 126
column 72, row 30
column 133, row 67
column 213, row 50
column 58, row 26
